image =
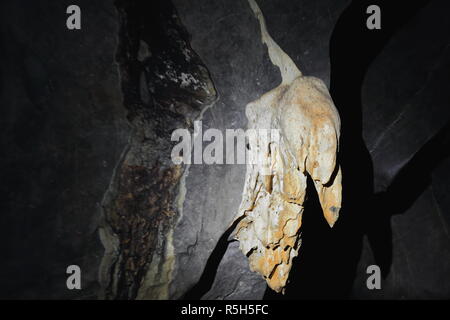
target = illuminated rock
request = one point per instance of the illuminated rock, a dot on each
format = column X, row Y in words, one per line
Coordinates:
column 301, row 110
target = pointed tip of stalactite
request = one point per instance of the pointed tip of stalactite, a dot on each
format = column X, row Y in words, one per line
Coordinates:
column 332, row 215
column 271, row 209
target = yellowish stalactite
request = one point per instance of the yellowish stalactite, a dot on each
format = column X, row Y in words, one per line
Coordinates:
column 301, row 110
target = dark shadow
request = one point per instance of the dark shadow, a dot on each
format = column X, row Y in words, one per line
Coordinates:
column 314, row 271
column 329, row 258
column 407, row 186
column 206, row 280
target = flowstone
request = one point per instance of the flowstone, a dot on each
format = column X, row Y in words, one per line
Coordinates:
column 302, row 112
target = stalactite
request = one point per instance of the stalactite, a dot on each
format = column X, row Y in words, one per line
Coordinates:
column 301, row 110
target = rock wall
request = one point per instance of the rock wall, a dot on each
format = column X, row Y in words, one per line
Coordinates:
column 86, row 174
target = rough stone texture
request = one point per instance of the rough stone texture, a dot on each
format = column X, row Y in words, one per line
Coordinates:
column 394, row 136
column 303, row 30
column 304, row 142
column 406, row 127
column 420, row 255
column 62, row 129
column 165, row 87
column 246, row 285
column 272, row 201
column 93, row 123
column 226, row 37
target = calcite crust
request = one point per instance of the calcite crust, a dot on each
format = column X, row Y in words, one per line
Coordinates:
column 307, row 123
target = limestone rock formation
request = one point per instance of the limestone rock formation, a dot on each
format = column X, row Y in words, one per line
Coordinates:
column 165, row 86
column 305, row 127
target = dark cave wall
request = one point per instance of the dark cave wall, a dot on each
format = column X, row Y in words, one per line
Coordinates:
column 85, row 134
column 63, row 129
column 404, row 94
column 406, row 129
